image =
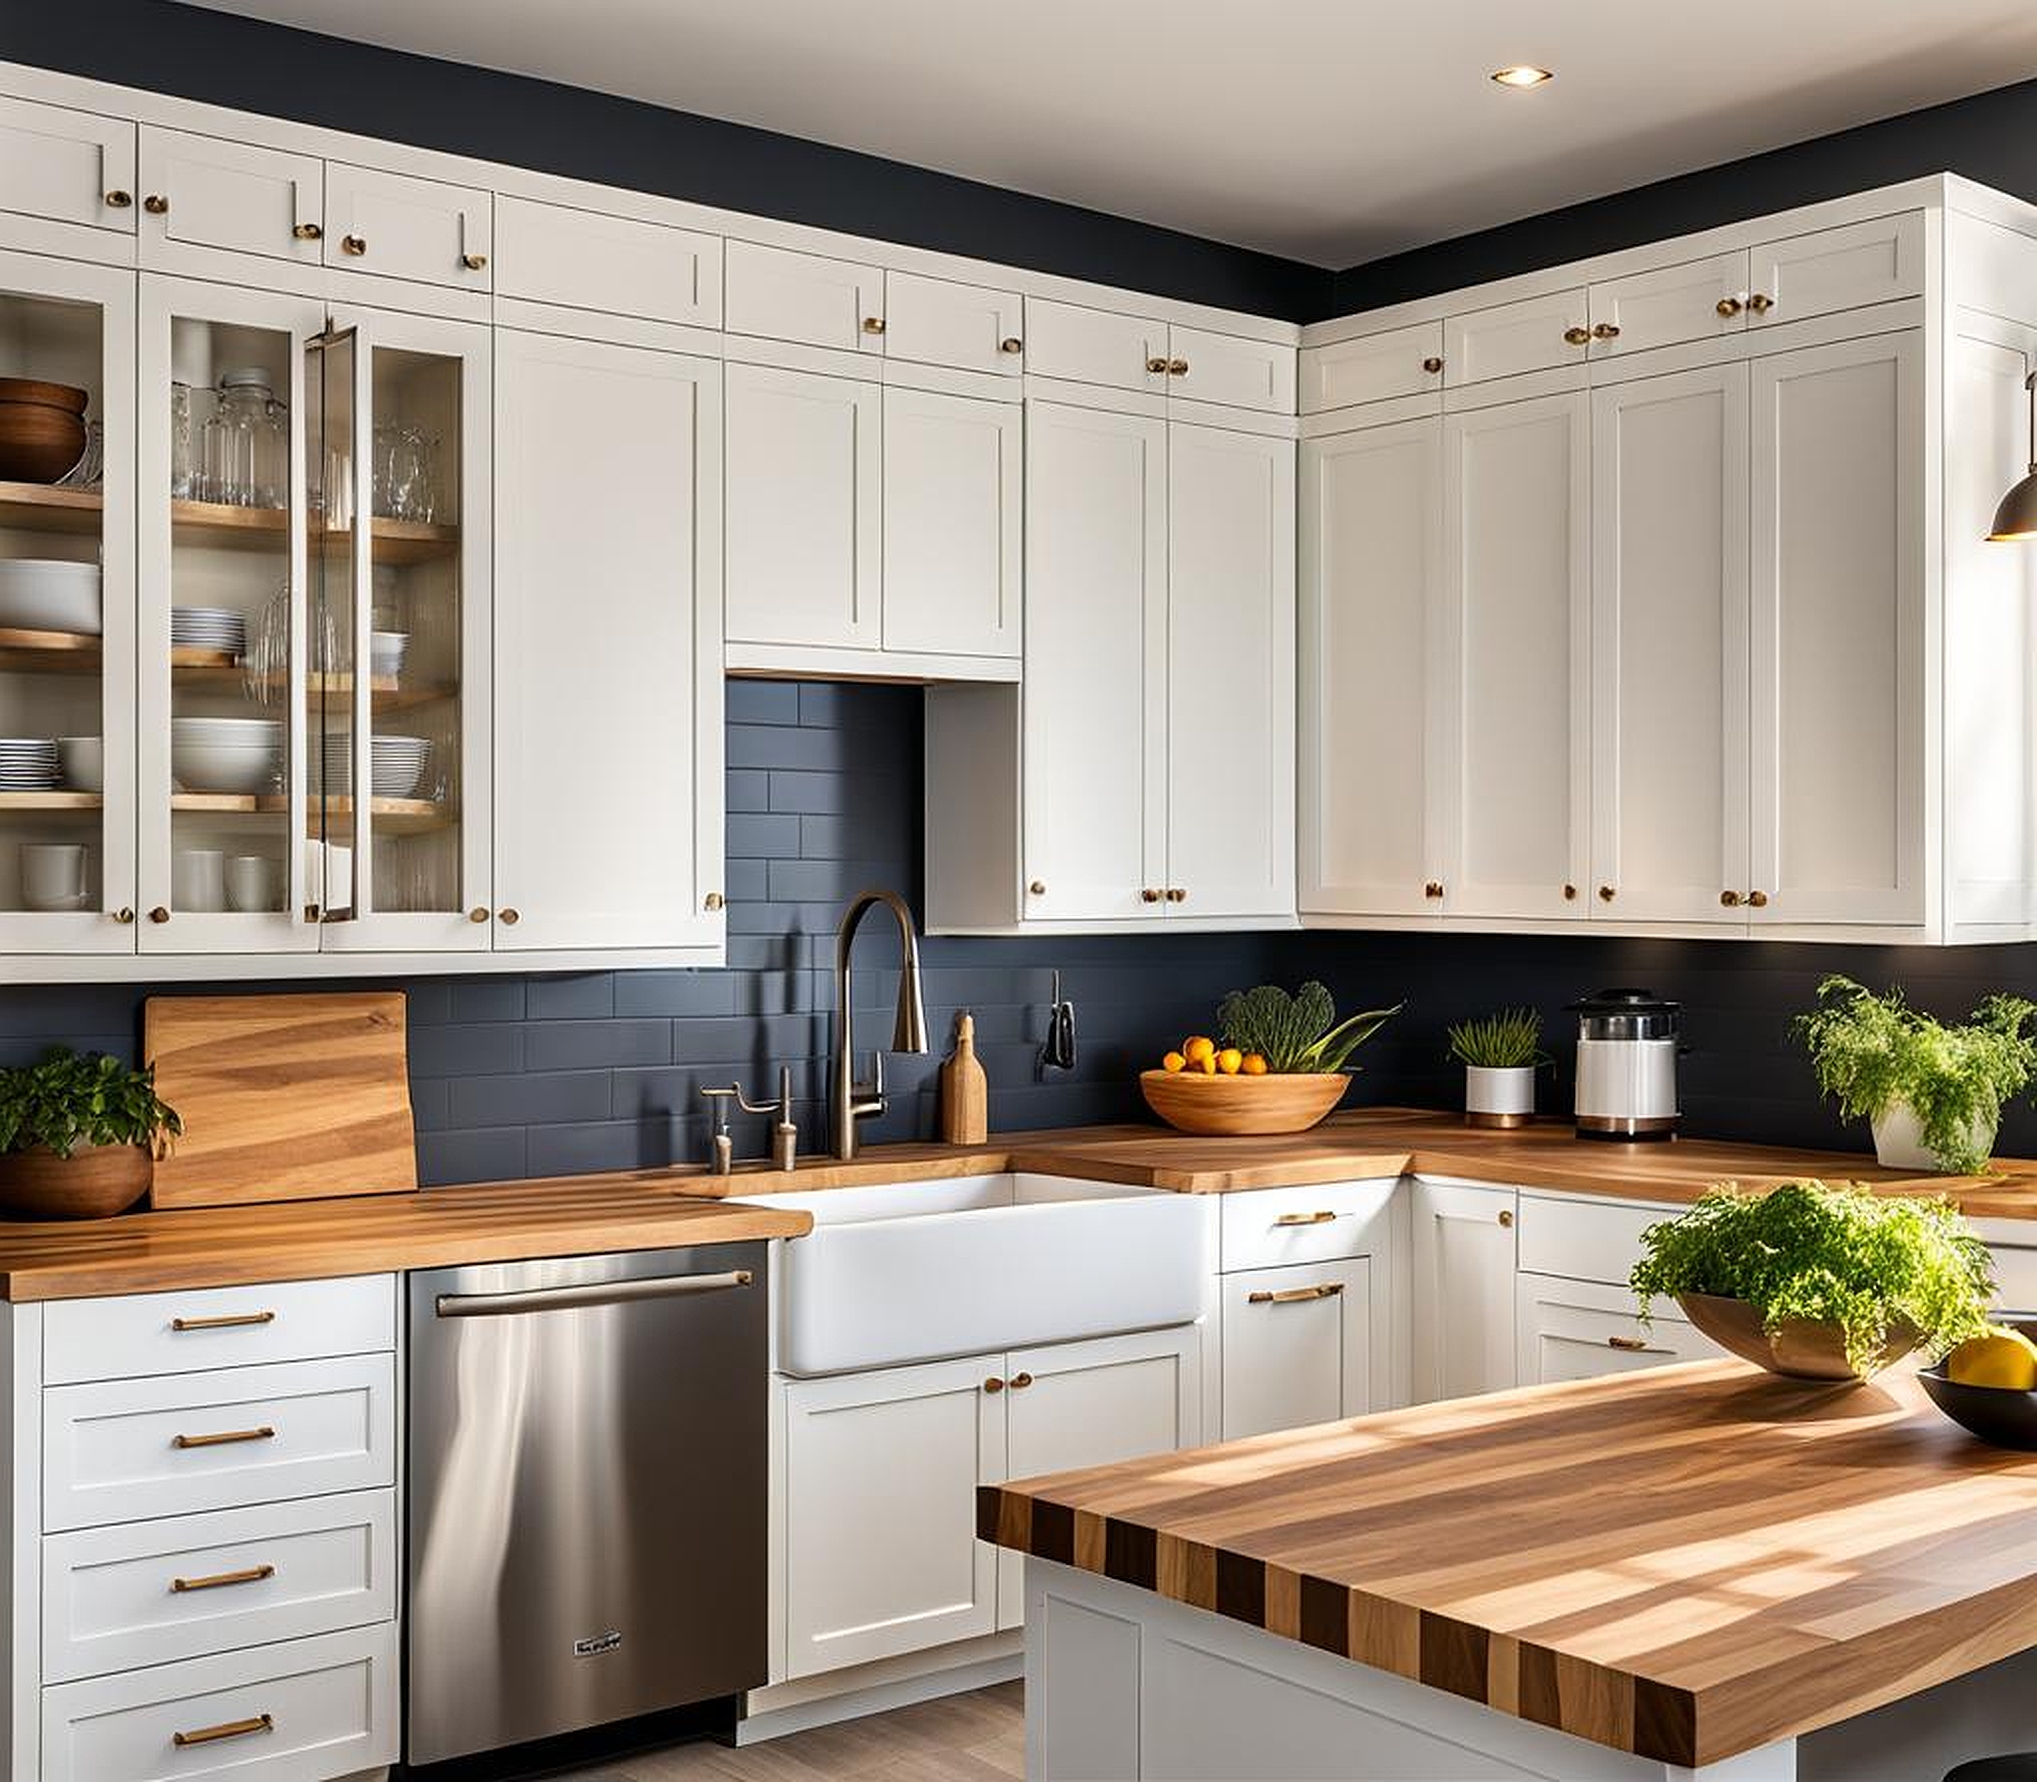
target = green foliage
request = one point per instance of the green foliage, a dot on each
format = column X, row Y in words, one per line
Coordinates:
column 1844, row 1255
column 1296, row 1034
column 71, row 1099
column 1872, row 1052
column 1509, row 1040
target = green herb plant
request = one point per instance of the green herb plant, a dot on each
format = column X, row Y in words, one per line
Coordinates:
column 1841, row 1255
column 1298, row 1034
column 1508, row 1040
column 1872, row 1052
column 69, row 1099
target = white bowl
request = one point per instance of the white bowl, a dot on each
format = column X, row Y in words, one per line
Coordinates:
column 247, row 731
column 44, row 594
column 84, row 762
column 214, row 767
column 386, row 650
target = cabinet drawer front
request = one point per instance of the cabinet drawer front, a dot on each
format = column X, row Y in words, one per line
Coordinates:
column 1223, row 368
column 408, row 228
column 1844, row 268
column 934, row 321
column 1094, row 346
column 66, row 165
column 1669, row 304
column 1582, row 1330
column 111, row 1453
column 300, row 1711
column 1297, row 1346
column 1514, row 337
column 1584, row 1240
column 581, row 259
column 1372, row 369
column 115, row 1599
column 786, row 296
column 226, row 195
column 181, row 1333
column 1269, row 1227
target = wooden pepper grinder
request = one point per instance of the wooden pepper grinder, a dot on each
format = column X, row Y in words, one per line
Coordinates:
column 965, row 1091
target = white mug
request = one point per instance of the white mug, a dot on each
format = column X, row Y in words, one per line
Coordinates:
column 84, row 762
column 251, row 881
column 53, row 875
column 198, row 880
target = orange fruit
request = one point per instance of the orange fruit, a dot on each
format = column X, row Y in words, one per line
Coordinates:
column 1173, row 1062
column 1196, row 1048
column 1207, row 1064
column 1254, row 1065
column 1230, row 1060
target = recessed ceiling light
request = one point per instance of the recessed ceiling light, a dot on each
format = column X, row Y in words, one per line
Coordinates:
column 1525, row 74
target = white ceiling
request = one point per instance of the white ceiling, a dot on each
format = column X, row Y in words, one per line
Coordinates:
column 1332, row 131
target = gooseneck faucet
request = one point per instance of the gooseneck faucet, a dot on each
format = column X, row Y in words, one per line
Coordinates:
column 851, row 1100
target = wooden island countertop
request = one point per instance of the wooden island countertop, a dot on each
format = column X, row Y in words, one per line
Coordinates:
column 1685, row 1563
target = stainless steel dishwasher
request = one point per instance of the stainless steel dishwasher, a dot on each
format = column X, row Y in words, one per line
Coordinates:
column 588, row 1476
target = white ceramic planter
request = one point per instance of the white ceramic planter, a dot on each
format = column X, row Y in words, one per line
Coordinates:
column 1899, row 1141
column 1499, row 1095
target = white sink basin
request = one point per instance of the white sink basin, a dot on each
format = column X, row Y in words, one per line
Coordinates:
column 916, row 1271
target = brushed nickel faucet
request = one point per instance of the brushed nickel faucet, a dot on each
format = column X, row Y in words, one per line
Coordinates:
column 851, row 1100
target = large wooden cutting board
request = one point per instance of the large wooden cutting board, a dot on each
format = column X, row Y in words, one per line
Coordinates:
column 282, row 1097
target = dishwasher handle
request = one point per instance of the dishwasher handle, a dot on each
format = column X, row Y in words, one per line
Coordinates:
column 593, row 1293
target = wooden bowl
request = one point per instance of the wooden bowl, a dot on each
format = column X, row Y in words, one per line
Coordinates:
column 42, row 429
column 1232, row 1107
column 94, row 1182
column 1801, row 1348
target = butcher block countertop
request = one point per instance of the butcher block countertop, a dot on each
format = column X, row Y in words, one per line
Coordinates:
column 1683, row 1562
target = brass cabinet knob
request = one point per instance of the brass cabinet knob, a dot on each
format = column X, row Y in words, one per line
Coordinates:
column 1157, row 366
column 1729, row 306
column 308, row 232
column 1149, row 895
column 156, row 205
column 124, row 916
column 1433, row 363
column 873, row 324
column 313, row 913
column 508, row 918
column 1606, row 894
column 1576, row 336
column 119, row 200
column 1011, row 344
column 1177, row 367
column 479, row 913
column 159, row 915
column 1177, row 894
column 353, row 244
column 474, row 262
column 1019, row 1382
column 1606, row 331
column 1569, row 893
column 713, row 901
column 1731, row 899
column 993, row 1384
column 1761, row 303
column 1506, row 1217
column 1038, row 887
column 1757, row 900
column 1434, row 888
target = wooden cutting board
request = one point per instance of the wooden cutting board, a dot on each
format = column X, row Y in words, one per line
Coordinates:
column 282, row 1097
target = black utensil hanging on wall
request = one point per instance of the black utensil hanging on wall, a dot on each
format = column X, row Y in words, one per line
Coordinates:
column 1059, row 1051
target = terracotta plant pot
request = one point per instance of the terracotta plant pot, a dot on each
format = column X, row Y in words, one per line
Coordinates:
column 1232, row 1107
column 94, row 1182
column 1801, row 1348
column 42, row 429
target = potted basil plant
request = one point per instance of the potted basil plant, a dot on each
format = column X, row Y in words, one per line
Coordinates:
column 78, row 1135
column 1933, row 1092
column 1501, row 1054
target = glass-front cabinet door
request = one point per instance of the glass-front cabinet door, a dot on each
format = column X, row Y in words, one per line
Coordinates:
column 67, row 867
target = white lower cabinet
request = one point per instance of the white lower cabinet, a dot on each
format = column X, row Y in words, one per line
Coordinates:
column 1581, row 1330
column 1462, row 1295
column 1297, row 1345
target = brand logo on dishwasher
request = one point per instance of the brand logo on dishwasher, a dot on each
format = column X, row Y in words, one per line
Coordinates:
column 596, row 1644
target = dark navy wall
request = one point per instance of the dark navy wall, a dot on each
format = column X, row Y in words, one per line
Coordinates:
column 224, row 59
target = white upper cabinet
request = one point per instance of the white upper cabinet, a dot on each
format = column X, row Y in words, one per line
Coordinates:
column 608, row 675
column 1206, row 367
column 1095, row 346
column 67, row 166
column 1531, row 334
column 1516, row 581
column 1372, row 368
column 584, row 259
column 1833, row 269
column 1370, row 660
column 401, row 227
column 1669, row 581
column 936, row 321
column 1838, row 704
column 1694, row 300
column 200, row 192
column 954, row 504
column 1230, row 673
column 805, row 298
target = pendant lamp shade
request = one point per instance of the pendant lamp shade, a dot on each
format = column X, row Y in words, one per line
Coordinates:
column 2016, row 517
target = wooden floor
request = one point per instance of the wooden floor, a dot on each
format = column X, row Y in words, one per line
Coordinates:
column 962, row 1738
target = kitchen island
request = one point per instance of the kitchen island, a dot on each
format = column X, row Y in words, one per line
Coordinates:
column 1698, row 1571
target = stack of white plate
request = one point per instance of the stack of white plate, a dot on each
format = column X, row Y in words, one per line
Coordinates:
column 209, row 628
column 28, row 763
column 238, row 755
column 385, row 653
column 399, row 763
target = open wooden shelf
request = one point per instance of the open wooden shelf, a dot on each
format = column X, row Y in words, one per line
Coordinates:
column 48, row 652
column 391, row 816
column 48, row 803
column 385, row 692
column 43, row 507
column 223, row 526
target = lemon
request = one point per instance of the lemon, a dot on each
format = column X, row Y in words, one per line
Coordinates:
column 1173, row 1062
column 1230, row 1060
column 2004, row 1358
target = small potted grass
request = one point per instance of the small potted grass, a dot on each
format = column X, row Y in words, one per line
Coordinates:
column 1501, row 1054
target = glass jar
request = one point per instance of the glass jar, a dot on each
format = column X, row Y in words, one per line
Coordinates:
column 247, row 442
column 186, row 475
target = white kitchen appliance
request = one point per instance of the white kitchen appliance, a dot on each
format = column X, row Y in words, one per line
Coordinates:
column 1627, row 1042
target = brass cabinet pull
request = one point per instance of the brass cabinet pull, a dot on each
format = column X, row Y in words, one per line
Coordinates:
column 309, row 232
column 1506, row 1218
column 225, row 1321
column 1148, row 895
column 479, row 913
column 1038, row 887
column 1019, row 1382
column 713, row 901
column 159, row 914
column 1434, row 888
column 509, row 917
column 156, row 205
column 1157, row 366
column 226, row 1729
column 1177, row 367
column 353, row 244
column 1731, row 899
column 1011, row 344
column 1432, row 364
column 119, row 200
column 993, row 1384
column 1633, row 1345
column 124, row 915
column 1606, row 331
column 224, row 1437
column 1321, row 1218
column 873, row 324
column 1177, row 893
column 1569, row 893
column 1606, row 894
column 1761, row 303
column 1291, row 1296
column 255, row 1574
column 1729, row 306
column 313, row 912
column 1576, row 336
column 474, row 262
column 1757, row 900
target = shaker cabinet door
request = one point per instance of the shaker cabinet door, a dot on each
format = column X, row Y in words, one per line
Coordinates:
column 1298, row 1346
column 954, row 493
column 402, row 227
column 1462, row 1289
column 67, row 166
column 201, row 192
